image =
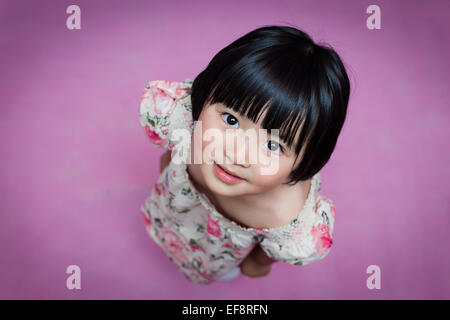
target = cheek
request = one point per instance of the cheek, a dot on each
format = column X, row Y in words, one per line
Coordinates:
column 270, row 180
column 212, row 134
column 205, row 141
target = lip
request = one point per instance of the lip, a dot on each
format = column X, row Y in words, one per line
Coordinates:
column 225, row 176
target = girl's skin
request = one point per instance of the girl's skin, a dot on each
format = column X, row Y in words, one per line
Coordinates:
column 260, row 201
column 257, row 263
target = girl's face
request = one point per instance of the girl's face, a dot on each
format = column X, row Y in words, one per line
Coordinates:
column 218, row 117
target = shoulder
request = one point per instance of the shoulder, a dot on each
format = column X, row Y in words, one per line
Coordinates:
column 308, row 240
column 161, row 96
column 165, row 106
column 324, row 212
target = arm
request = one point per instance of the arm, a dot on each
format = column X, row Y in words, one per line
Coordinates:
column 165, row 160
column 257, row 263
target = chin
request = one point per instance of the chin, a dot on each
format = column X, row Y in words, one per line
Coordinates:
column 219, row 187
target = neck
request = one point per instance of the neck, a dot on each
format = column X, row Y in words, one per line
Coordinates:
column 272, row 198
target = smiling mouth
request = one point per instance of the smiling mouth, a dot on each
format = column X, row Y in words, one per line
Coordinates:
column 229, row 173
column 225, row 176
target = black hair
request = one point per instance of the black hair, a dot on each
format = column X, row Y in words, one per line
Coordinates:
column 303, row 86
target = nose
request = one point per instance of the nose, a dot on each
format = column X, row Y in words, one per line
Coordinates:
column 237, row 152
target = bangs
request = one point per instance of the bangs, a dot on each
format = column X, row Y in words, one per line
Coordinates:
column 256, row 94
column 278, row 76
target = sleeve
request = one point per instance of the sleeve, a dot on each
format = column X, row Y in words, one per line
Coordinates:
column 304, row 246
column 163, row 109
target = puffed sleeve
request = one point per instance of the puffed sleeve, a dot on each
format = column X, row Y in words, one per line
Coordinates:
column 309, row 241
column 164, row 107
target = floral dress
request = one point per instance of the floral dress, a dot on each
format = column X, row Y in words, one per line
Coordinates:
column 199, row 240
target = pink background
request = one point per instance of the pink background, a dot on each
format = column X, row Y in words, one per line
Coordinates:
column 76, row 164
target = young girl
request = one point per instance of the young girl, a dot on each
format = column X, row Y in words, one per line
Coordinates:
column 214, row 218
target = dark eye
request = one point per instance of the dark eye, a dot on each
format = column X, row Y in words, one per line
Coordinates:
column 229, row 119
column 274, row 146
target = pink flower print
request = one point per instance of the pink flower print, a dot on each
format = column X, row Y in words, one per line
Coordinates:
column 162, row 102
column 316, row 204
column 175, row 89
column 319, row 200
column 148, row 222
column 195, row 247
column 174, row 173
column 174, row 245
column 333, row 210
column 239, row 253
column 321, row 238
column 162, row 95
column 213, row 226
column 170, row 146
column 160, row 189
column 236, row 252
column 206, row 276
column 154, row 137
column 165, row 131
column 188, row 119
column 145, row 95
column 197, row 263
